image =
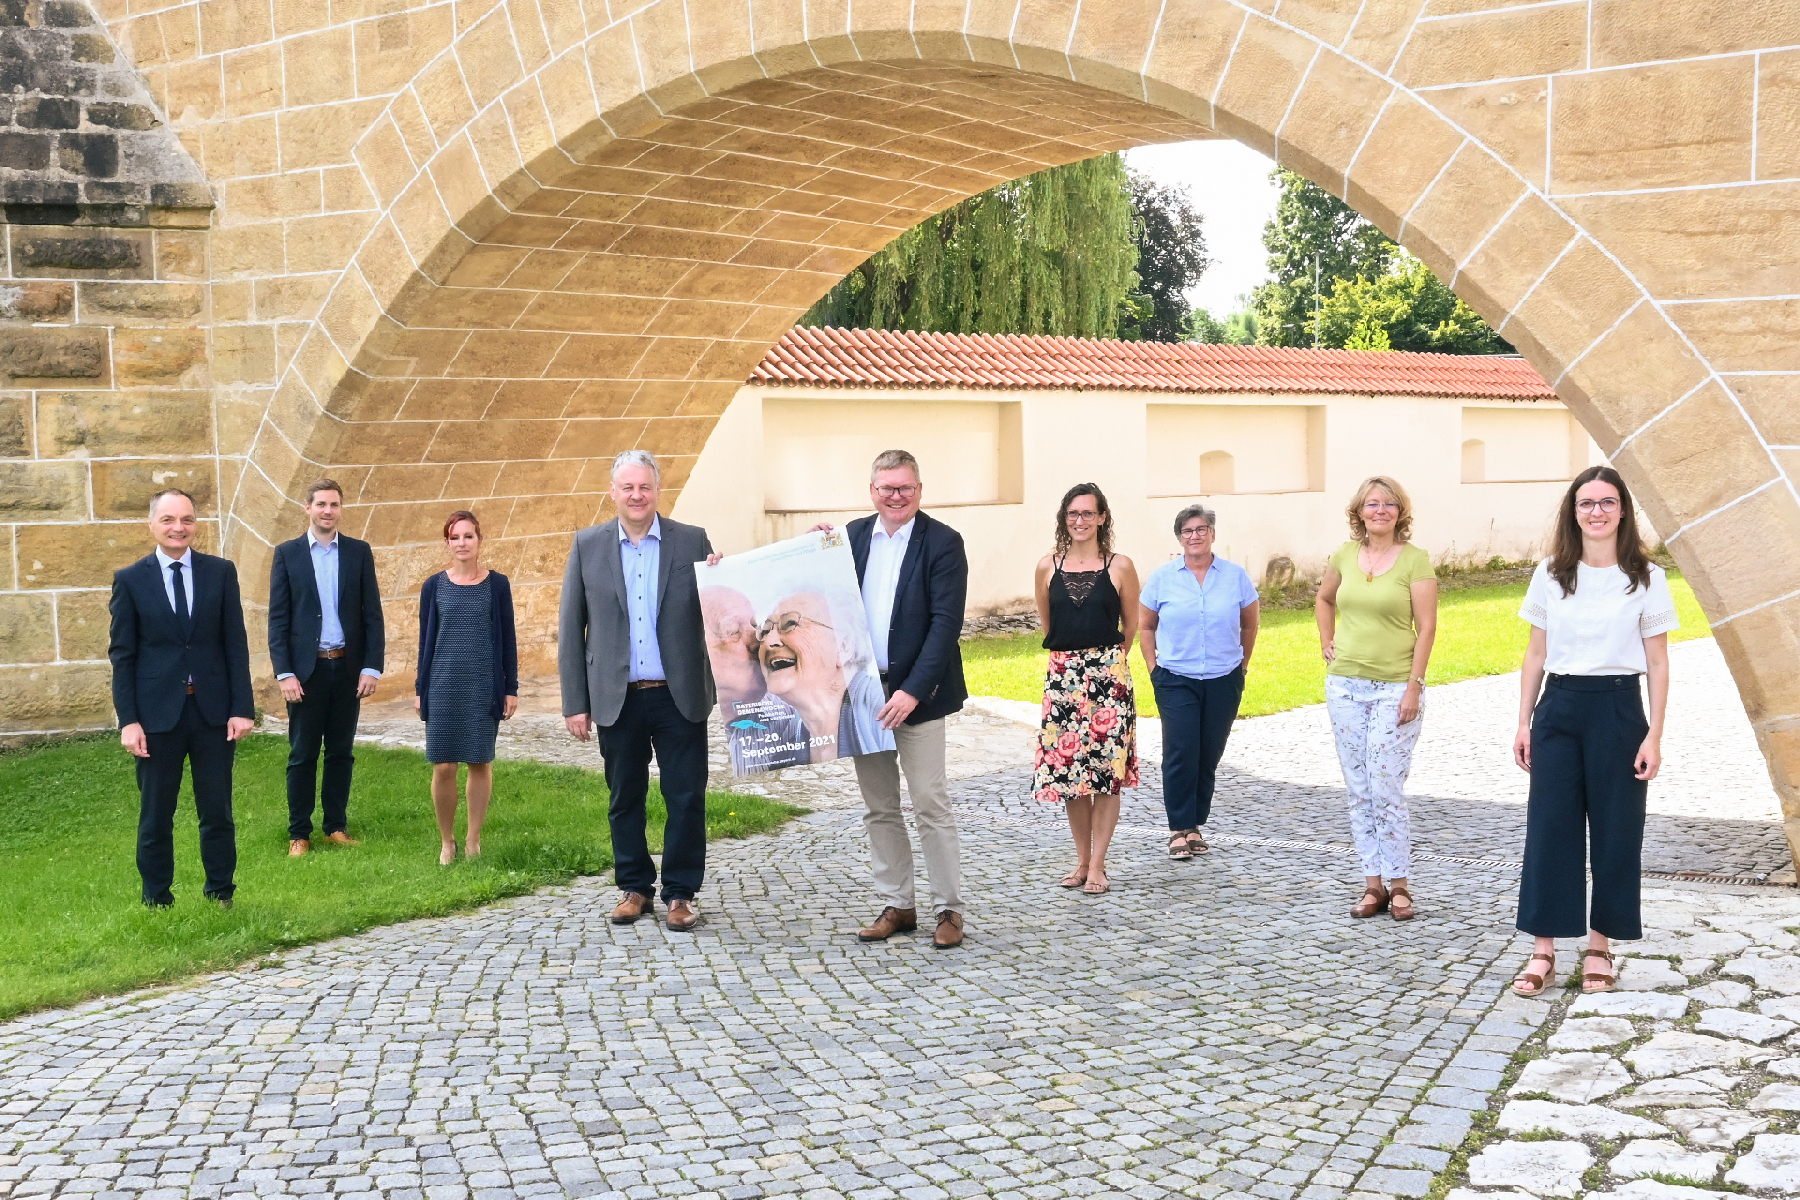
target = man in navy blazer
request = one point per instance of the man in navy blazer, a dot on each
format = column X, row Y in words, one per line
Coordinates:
column 328, row 642
column 915, row 579
column 181, row 687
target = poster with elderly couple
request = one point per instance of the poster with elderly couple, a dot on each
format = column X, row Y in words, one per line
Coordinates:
column 791, row 655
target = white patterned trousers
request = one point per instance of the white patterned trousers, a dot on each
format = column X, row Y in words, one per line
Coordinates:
column 1376, row 754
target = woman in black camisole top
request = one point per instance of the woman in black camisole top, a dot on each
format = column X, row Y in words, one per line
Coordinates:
column 1087, row 601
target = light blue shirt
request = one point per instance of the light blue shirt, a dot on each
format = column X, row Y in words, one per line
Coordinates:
column 325, row 575
column 1197, row 626
column 642, row 564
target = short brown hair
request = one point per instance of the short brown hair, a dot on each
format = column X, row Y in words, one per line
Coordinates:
column 461, row 514
column 158, row 498
column 323, row 485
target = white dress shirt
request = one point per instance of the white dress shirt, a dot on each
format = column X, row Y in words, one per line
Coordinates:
column 881, row 579
column 168, row 577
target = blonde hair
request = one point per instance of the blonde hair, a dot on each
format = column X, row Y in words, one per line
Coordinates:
column 1402, row 524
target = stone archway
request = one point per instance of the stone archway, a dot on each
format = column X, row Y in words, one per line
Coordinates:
column 514, row 238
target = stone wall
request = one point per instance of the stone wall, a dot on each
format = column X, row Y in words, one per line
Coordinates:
column 462, row 251
column 105, row 388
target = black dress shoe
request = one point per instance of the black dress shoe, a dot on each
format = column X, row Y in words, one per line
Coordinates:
column 223, row 902
column 149, row 903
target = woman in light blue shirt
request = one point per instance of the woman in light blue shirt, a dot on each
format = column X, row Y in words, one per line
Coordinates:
column 1198, row 625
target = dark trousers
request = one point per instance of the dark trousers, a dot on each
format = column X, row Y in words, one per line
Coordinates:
column 325, row 715
column 159, row 783
column 1585, row 796
column 1196, row 719
column 650, row 723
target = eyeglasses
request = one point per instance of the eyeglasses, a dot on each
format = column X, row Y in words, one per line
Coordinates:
column 1606, row 504
column 904, row 491
column 786, row 623
column 1378, row 505
column 1194, row 531
column 1083, row 518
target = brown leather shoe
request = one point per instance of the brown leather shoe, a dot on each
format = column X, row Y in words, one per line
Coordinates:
column 632, row 905
column 681, row 916
column 949, row 930
column 297, row 847
column 342, row 839
column 1374, row 900
column 891, row 921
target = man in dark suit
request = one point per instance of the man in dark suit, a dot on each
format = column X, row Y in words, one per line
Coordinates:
column 632, row 655
column 181, row 686
column 328, row 642
column 915, row 578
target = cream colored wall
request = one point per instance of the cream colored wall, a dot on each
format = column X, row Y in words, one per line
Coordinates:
column 1032, row 445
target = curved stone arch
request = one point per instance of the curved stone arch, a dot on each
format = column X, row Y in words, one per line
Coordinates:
column 1346, row 94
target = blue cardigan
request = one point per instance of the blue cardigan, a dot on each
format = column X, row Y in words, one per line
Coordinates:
column 505, row 642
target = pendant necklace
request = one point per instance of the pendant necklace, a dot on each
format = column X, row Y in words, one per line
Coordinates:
column 1369, row 573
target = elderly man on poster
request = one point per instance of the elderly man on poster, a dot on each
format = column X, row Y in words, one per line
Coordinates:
column 915, row 579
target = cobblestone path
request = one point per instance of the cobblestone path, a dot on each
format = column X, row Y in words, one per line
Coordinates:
column 1215, row 1028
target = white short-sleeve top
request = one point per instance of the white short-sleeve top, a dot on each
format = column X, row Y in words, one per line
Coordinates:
column 1600, row 627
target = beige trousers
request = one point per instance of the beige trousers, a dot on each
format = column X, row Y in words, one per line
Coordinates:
column 920, row 754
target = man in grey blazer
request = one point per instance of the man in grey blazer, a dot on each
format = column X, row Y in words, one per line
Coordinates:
column 632, row 655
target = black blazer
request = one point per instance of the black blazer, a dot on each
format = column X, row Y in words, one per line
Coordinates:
column 924, row 650
column 153, row 657
column 295, row 613
column 503, row 637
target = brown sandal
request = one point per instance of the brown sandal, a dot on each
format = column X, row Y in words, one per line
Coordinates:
column 1395, row 894
column 1607, row 982
column 1178, row 845
column 1369, row 907
column 1534, row 984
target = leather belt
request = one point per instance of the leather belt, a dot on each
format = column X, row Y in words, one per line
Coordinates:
column 638, row 685
column 338, row 653
column 190, row 689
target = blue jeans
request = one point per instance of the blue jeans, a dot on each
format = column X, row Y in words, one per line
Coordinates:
column 1196, row 717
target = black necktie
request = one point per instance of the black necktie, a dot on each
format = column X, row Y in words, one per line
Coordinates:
column 181, row 604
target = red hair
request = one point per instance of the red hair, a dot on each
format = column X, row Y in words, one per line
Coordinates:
column 461, row 514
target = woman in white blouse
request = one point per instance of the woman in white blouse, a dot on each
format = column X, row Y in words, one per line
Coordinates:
column 1600, row 615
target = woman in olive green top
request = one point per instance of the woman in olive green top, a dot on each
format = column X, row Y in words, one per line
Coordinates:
column 1377, row 613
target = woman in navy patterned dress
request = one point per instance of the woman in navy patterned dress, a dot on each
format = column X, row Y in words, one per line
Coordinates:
column 468, row 680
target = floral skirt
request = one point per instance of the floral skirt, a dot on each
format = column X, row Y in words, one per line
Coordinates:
column 1088, row 743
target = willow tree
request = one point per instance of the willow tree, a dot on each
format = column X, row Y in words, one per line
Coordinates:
column 1051, row 253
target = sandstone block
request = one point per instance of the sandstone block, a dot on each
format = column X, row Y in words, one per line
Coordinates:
column 1265, row 72
column 149, row 302
column 160, row 357
column 1492, row 45
column 77, row 556
column 1663, row 125
column 69, row 252
column 36, row 302
column 83, row 625
column 111, row 424
column 43, row 491
column 15, row 427
column 27, row 628
column 1743, row 335
column 48, row 699
column 52, row 355
column 1700, row 244
column 122, row 489
column 1699, row 456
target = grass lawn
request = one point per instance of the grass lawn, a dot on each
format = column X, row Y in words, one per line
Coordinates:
column 71, row 926
column 1479, row 633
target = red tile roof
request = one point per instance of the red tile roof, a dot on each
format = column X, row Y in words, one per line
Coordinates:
column 885, row 359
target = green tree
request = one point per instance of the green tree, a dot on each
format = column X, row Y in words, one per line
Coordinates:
column 1311, row 224
column 1171, row 259
column 1051, row 253
column 1372, row 295
column 1407, row 308
column 1238, row 329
